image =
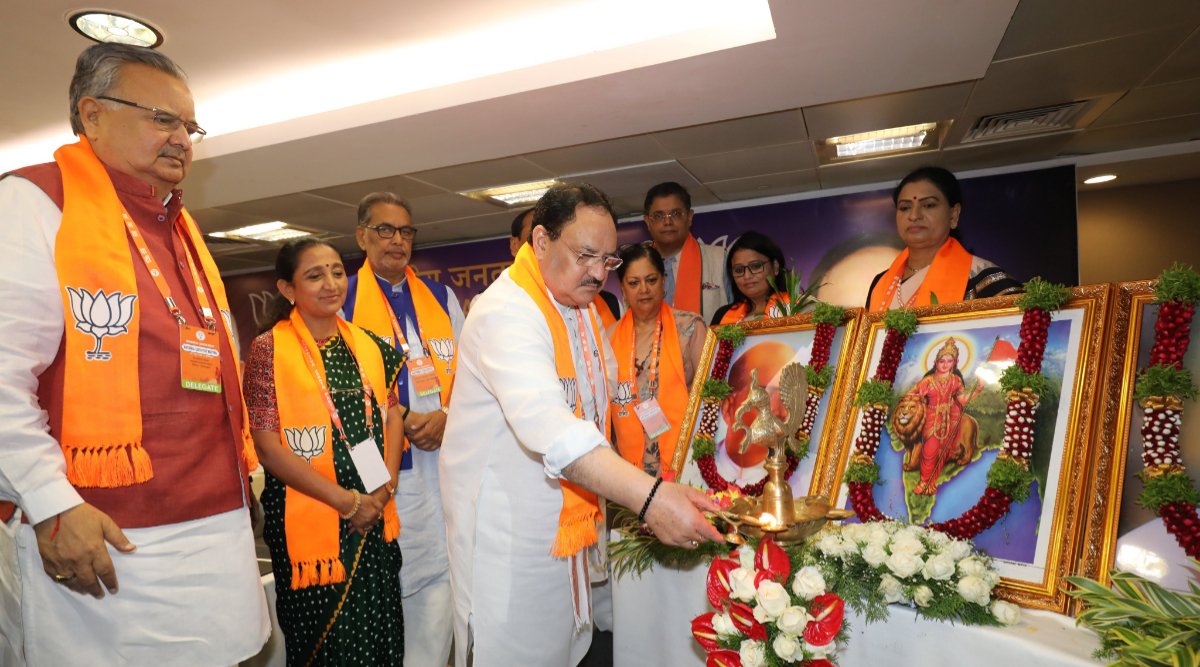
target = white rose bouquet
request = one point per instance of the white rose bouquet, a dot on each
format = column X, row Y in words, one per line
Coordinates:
column 794, row 620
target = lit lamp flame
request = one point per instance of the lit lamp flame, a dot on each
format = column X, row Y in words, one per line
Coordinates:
column 768, row 520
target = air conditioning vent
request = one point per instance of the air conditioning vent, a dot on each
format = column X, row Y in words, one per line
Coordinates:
column 1042, row 120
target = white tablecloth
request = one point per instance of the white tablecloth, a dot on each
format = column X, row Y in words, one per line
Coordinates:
column 652, row 627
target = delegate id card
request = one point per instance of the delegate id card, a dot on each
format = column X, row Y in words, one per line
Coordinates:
column 369, row 464
column 424, row 376
column 651, row 415
column 200, row 359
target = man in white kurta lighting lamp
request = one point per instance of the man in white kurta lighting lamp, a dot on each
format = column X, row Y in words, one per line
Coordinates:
column 525, row 452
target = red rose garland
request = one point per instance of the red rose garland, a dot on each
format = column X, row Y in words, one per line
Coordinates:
column 1161, row 388
column 1009, row 478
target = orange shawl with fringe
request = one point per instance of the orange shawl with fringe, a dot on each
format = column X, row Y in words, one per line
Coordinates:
column 688, row 277
column 101, row 391
column 947, row 278
column 672, row 390
column 581, row 510
column 311, row 527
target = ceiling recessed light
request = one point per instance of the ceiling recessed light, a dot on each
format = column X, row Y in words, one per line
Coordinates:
column 512, row 195
column 1101, row 179
column 881, row 143
column 114, row 28
column 269, row 232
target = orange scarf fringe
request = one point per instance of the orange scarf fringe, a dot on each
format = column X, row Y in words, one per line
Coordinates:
column 581, row 510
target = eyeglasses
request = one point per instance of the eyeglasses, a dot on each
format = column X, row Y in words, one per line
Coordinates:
column 408, row 232
column 589, row 259
column 649, row 243
column 752, row 267
column 659, row 216
column 165, row 120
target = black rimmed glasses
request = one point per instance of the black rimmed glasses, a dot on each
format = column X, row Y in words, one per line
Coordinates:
column 752, row 268
column 408, row 232
column 164, row 120
column 589, row 259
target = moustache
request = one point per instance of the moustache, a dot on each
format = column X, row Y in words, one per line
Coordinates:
column 172, row 152
column 589, row 281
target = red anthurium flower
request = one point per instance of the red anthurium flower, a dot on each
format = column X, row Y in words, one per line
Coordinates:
column 761, row 576
column 770, row 557
column 718, row 581
column 702, row 630
column 819, row 662
column 743, row 619
column 724, row 658
column 827, row 611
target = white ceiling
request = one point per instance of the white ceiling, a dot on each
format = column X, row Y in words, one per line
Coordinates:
column 732, row 122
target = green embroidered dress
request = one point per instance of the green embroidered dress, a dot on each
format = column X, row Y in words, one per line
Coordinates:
column 369, row 630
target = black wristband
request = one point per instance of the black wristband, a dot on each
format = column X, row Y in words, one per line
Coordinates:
column 405, row 415
column 642, row 514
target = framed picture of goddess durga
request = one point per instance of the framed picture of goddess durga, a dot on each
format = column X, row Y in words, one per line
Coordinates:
column 708, row 454
column 1122, row 533
column 960, row 448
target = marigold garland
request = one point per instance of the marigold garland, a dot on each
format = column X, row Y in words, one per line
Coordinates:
column 1009, row 478
column 1161, row 389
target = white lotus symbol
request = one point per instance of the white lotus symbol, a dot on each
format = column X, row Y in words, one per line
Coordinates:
column 100, row 315
column 623, row 396
column 307, row 443
column 443, row 348
column 571, row 390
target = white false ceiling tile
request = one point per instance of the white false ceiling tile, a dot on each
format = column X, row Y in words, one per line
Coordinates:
column 1136, row 172
column 751, row 162
column 449, row 207
column 772, row 129
column 1055, row 24
column 211, row 220
column 340, row 221
column 401, row 186
column 463, row 229
column 636, row 181
column 601, row 155
column 1001, row 153
column 873, row 171
column 1142, row 104
column 1137, row 135
column 767, row 185
column 287, row 207
column 911, row 107
column 1181, row 65
column 486, row 174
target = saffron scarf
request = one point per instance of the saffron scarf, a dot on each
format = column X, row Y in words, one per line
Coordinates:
column 947, row 278
column 672, row 390
column 580, row 511
column 373, row 313
column 740, row 311
column 311, row 527
column 101, row 389
column 688, row 277
column 607, row 318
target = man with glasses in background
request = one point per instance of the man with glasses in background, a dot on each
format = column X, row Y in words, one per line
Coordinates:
column 696, row 280
column 123, row 434
column 422, row 318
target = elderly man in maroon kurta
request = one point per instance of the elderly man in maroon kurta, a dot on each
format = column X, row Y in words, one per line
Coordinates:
column 165, row 532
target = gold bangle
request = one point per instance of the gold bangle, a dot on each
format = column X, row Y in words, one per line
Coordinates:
column 353, row 510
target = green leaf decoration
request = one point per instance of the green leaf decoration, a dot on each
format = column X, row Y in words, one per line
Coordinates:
column 827, row 313
column 860, row 473
column 715, row 389
column 1041, row 294
column 638, row 552
column 794, row 297
column 1008, row 476
column 902, row 321
column 820, row 379
column 702, row 446
column 1178, row 283
column 732, row 333
column 1167, row 489
column 1015, row 379
column 874, row 391
column 933, row 298
column 1159, row 380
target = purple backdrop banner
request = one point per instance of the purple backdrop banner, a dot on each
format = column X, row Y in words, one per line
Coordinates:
column 1025, row 222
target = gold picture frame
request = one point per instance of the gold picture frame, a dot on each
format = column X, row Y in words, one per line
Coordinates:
column 1113, row 513
column 839, row 357
column 1088, row 310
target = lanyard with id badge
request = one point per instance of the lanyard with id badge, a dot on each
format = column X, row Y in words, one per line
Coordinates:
column 199, row 347
column 368, row 462
column 421, row 371
column 649, row 412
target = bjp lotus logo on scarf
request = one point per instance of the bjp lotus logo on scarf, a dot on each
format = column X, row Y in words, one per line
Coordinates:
column 99, row 316
column 571, row 390
column 307, row 443
column 443, row 348
column 623, row 397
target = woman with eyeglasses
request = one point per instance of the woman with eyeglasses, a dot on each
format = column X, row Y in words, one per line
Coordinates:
column 749, row 261
column 318, row 389
column 934, row 267
column 657, row 349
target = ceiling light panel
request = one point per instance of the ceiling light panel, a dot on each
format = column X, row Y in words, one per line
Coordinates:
column 116, row 29
column 1101, row 179
column 269, row 232
column 881, row 143
column 512, row 195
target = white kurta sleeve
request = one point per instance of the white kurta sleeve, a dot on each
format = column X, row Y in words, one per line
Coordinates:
column 33, row 472
column 516, row 360
column 456, row 313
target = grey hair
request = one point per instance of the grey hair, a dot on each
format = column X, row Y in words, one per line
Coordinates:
column 98, row 72
column 364, row 206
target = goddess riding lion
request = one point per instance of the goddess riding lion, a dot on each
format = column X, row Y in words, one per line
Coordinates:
column 908, row 422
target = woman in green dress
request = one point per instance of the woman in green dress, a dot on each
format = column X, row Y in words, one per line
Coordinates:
column 333, row 547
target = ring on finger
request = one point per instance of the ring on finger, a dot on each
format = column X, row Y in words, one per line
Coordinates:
column 694, row 543
column 62, row 579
